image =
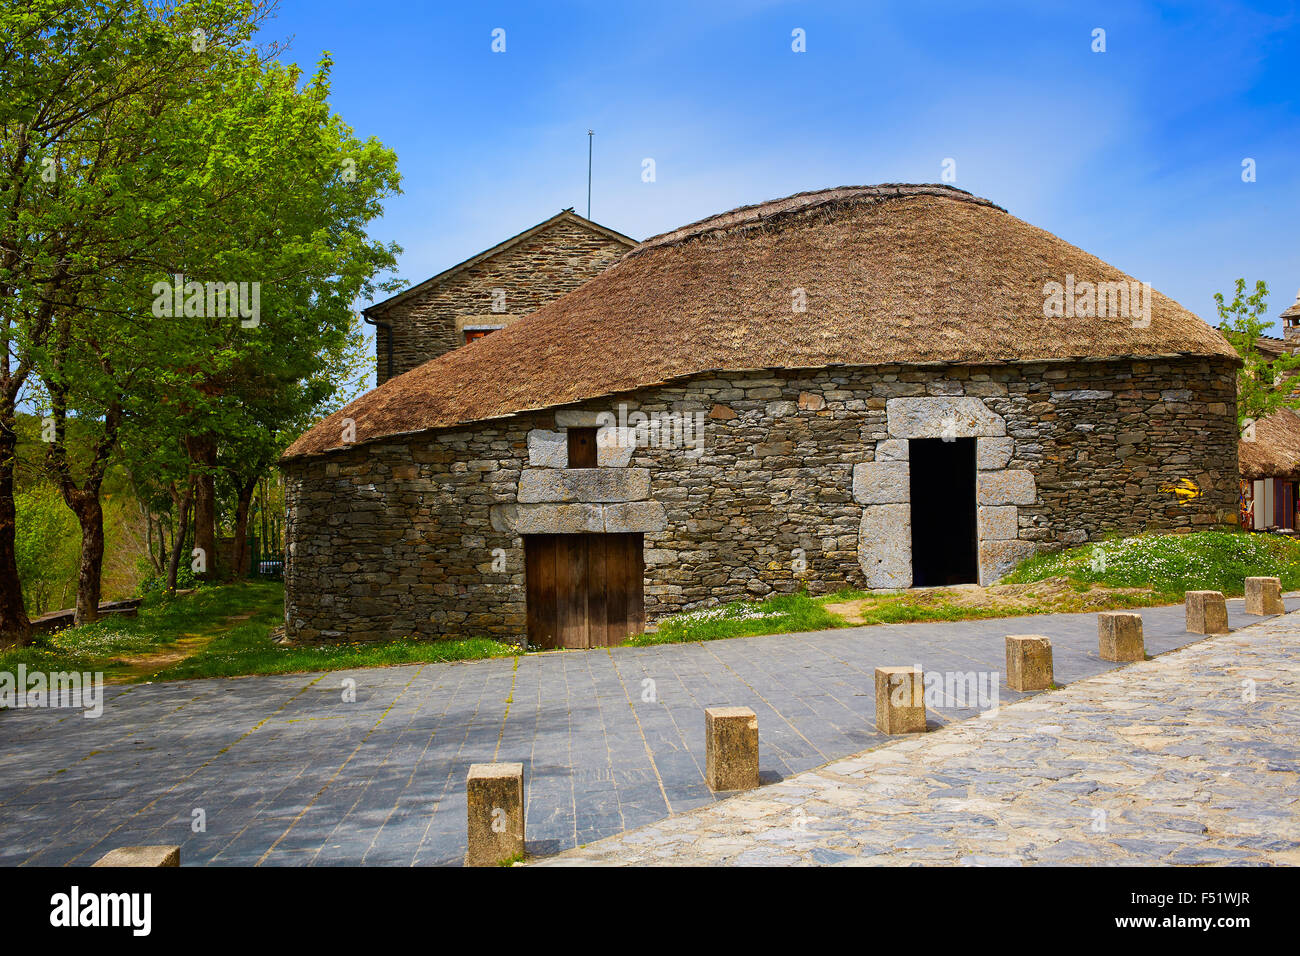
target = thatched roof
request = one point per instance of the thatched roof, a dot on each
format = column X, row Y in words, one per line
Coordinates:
column 1275, row 452
column 891, row 274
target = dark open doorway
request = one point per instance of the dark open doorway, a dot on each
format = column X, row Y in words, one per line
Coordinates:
column 943, row 512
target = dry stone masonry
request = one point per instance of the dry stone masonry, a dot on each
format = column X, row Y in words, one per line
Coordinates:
column 801, row 483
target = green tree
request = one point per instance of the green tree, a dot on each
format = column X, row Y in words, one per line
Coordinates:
column 237, row 176
column 1262, row 381
column 86, row 86
column 43, row 532
column 308, row 189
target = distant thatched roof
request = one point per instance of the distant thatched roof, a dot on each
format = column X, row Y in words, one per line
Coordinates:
column 1275, row 452
column 891, row 275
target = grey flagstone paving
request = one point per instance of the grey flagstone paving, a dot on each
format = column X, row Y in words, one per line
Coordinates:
column 287, row 773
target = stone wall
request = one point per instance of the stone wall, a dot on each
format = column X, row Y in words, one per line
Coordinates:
column 495, row 292
column 797, row 484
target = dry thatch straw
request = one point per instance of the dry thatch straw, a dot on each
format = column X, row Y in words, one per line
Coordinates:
column 1275, row 452
column 892, row 275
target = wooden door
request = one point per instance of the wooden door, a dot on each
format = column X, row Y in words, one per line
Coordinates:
column 584, row 590
column 1285, row 504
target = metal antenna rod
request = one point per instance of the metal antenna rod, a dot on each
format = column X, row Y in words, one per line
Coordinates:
column 589, row 135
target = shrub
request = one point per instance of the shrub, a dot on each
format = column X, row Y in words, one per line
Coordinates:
column 157, row 583
column 1172, row 564
column 47, row 540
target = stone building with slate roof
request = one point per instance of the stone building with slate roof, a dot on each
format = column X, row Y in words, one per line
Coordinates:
column 869, row 387
column 488, row 291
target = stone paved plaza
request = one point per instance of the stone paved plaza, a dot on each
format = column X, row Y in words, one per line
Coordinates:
column 1187, row 759
column 288, row 773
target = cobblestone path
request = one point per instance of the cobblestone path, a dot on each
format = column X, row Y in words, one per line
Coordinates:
column 1189, row 758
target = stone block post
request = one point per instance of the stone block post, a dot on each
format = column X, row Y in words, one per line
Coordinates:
column 730, row 748
column 900, row 700
column 494, row 793
column 1206, row 612
column 1029, row 662
column 1119, row 636
column 1264, row 596
column 141, row 856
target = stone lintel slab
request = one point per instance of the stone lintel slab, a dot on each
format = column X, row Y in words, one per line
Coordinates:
column 634, row 516
column 579, row 518
column 579, row 418
column 882, row 482
column 942, row 417
column 588, row 485
column 547, row 518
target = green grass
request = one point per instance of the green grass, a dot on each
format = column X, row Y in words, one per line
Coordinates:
column 783, row 614
column 240, row 655
column 228, row 627
column 1171, row 564
column 1160, row 567
column 160, row 625
column 907, row 608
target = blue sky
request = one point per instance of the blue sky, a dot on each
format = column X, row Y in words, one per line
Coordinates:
column 1134, row 154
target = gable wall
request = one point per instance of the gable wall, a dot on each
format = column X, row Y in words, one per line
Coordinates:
column 531, row 274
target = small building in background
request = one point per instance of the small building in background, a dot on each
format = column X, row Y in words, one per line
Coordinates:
column 1291, row 322
column 1269, row 454
column 489, row 291
column 1269, row 450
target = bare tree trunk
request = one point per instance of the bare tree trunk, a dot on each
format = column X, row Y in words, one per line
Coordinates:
column 90, row 515
column 15, row 628
column 178, row 536
column 155, row 564
column 241, row 525
column 82, row 499
column 203, row 453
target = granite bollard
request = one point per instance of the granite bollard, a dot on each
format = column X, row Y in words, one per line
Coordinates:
column 141, row 856
column 494, row 794
column 900, row 700
column 1206, row 612
column 1264, row 596
column 1029, row 662
column 730, row 748
column 1119, row 636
